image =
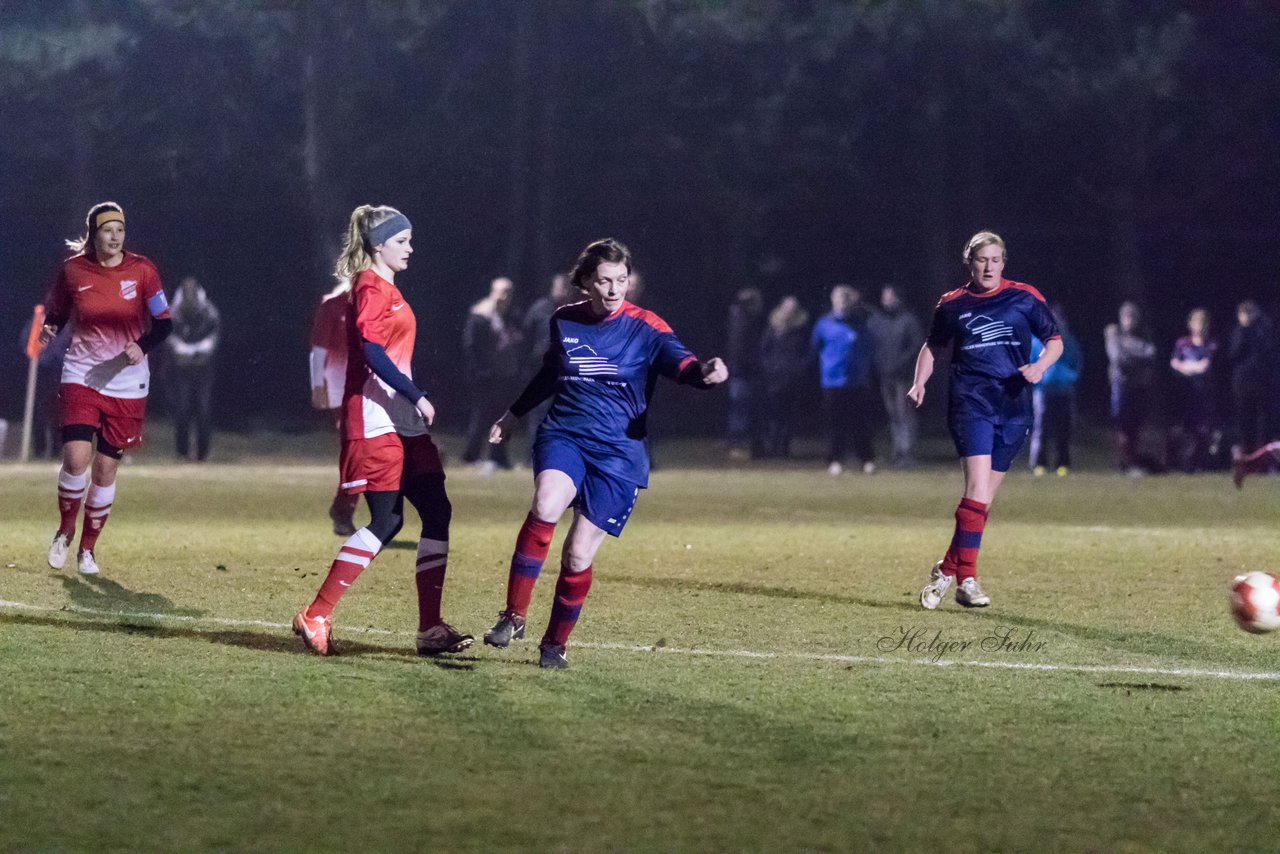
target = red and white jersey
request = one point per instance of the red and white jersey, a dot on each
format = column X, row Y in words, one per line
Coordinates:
column 329, row 346
column 380, row 316
column 108, row 308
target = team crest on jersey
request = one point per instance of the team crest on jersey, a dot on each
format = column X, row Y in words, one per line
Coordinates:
column 128, row 289
column 589, row 363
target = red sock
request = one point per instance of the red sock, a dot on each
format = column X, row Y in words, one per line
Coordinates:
column 961, row 559
column 97, row 506
column 352, row 558
column 71, row 489
column 532, row 544
column 433, row 557
column 571, row 592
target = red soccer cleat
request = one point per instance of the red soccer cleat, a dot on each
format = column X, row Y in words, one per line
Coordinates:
column 314, row 632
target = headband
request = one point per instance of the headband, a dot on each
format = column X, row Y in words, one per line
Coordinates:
column 385, row 230
column 107, row 216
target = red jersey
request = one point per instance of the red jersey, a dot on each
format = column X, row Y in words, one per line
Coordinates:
column 108, row 308
column 380, row 316
column 329, row 346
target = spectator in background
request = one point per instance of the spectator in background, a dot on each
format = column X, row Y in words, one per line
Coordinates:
column 784, row 361
column 895, row 339
column 746, row 326
column 192, row 345
column 46, row 426
column 1131, row 359
column 1194, row 437
column 1253, row 365
column 493, row 356
column 842, row 345
column 1053, row 401
column 328, row 363
column 537, row 320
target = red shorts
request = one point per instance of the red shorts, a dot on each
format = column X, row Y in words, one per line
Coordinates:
column 118, row 420
column 382, row 463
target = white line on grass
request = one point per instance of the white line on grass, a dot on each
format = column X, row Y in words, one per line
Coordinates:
column 1235, row 675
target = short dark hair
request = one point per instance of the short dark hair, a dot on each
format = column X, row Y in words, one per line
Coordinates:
column 606, row 251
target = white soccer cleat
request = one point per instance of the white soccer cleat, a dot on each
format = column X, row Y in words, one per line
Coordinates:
column 86, row 563
column 835, row 469
column 58, row 550
column 970, row 595
column 934, row 592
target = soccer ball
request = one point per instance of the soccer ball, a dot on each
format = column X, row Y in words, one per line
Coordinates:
column 1255, row 602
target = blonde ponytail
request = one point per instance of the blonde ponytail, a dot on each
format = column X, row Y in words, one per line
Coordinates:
column 355, row 257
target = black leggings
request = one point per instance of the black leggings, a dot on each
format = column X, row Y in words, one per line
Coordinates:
column 428, row 497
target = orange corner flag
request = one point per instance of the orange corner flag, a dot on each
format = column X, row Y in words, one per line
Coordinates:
column 33, row 340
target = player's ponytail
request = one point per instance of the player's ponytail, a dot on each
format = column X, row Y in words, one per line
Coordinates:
column 357, row 254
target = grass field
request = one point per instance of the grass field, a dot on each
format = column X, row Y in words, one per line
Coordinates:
column 738, row 680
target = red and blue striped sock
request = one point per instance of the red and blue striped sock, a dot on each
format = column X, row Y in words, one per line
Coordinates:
column 532, row 544
column 961, row 559
column 571, row 592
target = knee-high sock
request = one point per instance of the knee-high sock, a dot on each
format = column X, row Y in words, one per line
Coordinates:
column 571, row 592
column 71, row 489
column 961, row 559
column 97, row 506
column 532, row 544
column 433, row 557
column 355, row 554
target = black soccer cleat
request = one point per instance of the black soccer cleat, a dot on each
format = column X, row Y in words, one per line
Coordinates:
column 551, row 656
column 510, row 626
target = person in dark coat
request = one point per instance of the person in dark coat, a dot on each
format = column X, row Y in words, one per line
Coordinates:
column 746, row 326
column 196, row 325
column 492, row 355
column 784, row 368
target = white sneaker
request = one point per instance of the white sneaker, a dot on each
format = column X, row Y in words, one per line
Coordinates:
column 970, row 595
column 58, row 550
column 868, row 467
column 835, row 469
column 88, row 566
column 939, row 583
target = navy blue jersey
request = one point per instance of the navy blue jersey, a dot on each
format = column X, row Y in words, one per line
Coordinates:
column 606, row 368
column 990, row 333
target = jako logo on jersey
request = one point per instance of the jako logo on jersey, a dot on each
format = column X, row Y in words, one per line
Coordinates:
column 128, row 289
column 988, row 329
column 569, row 341
column 589, row 364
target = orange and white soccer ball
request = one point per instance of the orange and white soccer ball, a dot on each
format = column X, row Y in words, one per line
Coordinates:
column 1255, row 602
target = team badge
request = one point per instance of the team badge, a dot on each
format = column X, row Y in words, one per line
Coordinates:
column 128, row 289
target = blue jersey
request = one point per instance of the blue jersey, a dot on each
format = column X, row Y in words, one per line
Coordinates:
column 606, row 368
column 990, row 333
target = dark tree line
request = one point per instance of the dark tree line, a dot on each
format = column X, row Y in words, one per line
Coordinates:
column 1125, row 150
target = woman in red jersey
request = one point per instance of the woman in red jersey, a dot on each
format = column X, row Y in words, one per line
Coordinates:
column 387, row 453
column 119, row 314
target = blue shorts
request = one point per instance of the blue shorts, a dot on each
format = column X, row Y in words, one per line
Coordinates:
column 604, row 499
column 979, row 437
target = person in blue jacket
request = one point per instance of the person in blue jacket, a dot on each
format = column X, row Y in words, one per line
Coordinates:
column 1053, row 401
column 843, row 347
